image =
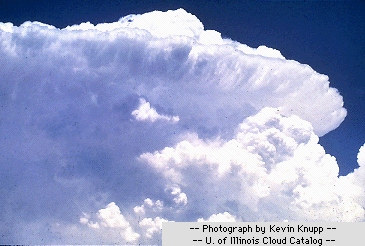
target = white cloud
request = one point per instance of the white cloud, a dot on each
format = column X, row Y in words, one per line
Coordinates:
column 149, row 205
column 180, row 197
column 167, row 64
column 274, row 163
column 209, row 37
column 111, row 217
column 85, row 220
column 221, row 217
column 146, row 113
column 152, row 225
column 245, row 141
column 361, row 156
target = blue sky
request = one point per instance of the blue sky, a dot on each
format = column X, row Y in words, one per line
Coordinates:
column 109, row 130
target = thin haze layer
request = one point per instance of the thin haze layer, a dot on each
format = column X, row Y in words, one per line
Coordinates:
column 108, row 130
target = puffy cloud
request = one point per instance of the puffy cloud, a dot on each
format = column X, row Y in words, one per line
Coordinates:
column 159, row 24
column 221, row 217
column 121, row 230
column 111, row 217
column 361, row 156
column 76, row 104
column 274, row 163
column 357, row 177
column 180, row 197
column 146, row 113
column 148, row 204
column 152, row 226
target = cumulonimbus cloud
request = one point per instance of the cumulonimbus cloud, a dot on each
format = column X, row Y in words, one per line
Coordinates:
column 87, row 110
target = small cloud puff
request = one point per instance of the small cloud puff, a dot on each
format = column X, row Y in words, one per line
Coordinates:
column 361, row 156
column 221, row 217
column 180, row 197
column 152, row 225
column 111, row 217
column 146, row 113
column 149, row 204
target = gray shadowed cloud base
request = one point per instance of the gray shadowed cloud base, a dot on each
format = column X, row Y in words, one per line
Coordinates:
column 109, row 130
